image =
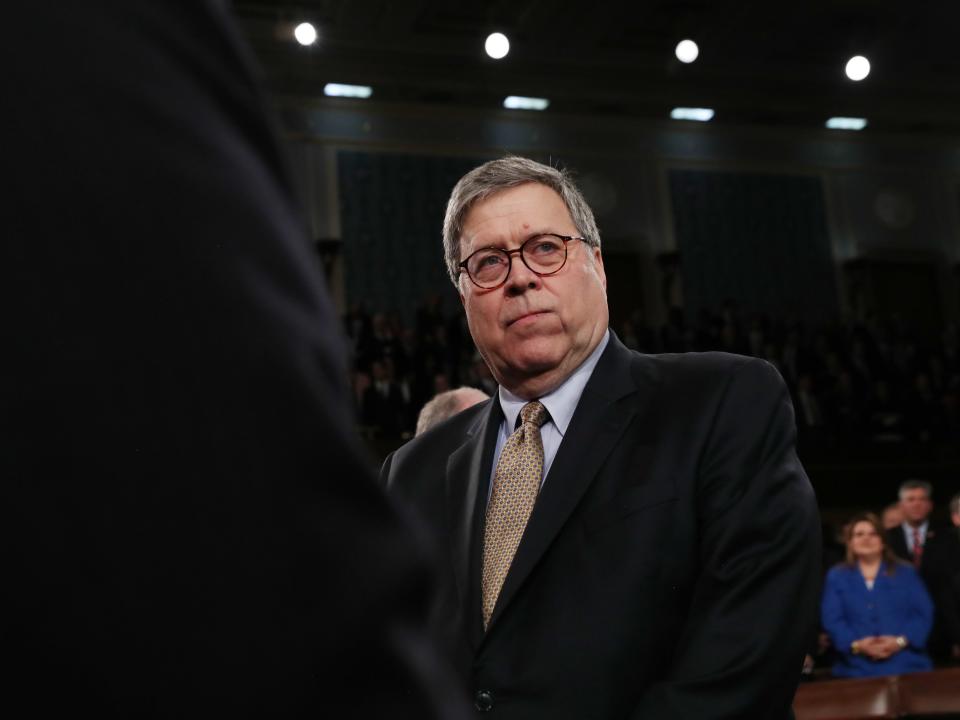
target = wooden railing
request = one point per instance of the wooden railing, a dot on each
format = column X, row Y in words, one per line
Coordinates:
column 917, row 695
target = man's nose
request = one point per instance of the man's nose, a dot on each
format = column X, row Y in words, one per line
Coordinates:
column 521, row 278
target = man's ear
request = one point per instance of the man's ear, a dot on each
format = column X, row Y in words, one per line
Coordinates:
column 598, row 262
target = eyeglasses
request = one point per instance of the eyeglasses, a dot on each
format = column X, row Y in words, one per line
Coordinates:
column 489, row 268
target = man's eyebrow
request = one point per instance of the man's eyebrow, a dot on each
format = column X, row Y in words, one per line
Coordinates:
column 538, row 233
column 500, row 245
column 531, row 235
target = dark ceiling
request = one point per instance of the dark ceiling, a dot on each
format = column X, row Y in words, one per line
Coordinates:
column 761, row 63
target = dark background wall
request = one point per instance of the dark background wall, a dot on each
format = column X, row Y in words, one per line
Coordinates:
column 759, row 240
column 823, row 198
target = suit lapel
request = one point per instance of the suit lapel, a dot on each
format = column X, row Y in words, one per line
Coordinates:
column 610, row 400
column 467, row 481
column 902, row 549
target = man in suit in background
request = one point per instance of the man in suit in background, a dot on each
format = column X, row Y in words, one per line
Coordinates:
column 941, row 560
column 447, row 404
column 909, row 539
column 189, row 527
column 627, row 535
column 892, row 516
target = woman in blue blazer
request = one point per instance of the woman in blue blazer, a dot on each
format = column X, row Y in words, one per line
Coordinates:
column 875, row 609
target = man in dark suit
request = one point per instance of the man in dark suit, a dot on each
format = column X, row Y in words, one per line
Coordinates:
column 942, row 572
column 909, row 539
column 627, row 535
column 189, row 526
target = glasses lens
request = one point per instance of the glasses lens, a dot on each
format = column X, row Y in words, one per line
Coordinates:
column 545, row 253
column 488, row 266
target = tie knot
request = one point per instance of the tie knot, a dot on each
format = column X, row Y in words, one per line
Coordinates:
column 534, row 412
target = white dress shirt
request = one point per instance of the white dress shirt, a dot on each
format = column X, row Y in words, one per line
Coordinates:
column 561, row 404
column 908, row 532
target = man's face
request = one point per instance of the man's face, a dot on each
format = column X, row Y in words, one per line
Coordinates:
column 892, row 517
column 533, row 331
column 915, row 505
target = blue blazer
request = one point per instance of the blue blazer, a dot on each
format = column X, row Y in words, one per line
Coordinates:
column 898, row 604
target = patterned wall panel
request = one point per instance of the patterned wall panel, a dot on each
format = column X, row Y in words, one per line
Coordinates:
column 758, row 239
column 894, row 210
column 391, row 215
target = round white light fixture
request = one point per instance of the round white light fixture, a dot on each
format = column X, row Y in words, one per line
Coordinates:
column 497, row 45
column 687, row 51
column 858, row 67
column 305, row 33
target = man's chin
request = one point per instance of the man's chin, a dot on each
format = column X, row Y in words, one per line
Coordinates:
column 538, row 354
column 525, row 367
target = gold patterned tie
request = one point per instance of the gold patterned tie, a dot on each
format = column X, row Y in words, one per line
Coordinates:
column 516, row 484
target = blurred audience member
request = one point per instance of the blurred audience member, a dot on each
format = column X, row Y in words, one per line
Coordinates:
column 892, row 516
column 383, row 401
column 446, row 405
column 875, row 609
column 861, row 387
column 808, row 410
column 954, row 615
column 907, row 541
column 942, row 565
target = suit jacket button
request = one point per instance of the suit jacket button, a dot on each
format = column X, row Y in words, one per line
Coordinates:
column 483, row 700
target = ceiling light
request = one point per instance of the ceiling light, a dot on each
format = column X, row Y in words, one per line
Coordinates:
column 497, row 45
column 351, row 91
column 305, row 33
column 687, row 51
column 846, row 123
column 858, row 67
column 517, row 102
column 698, row 114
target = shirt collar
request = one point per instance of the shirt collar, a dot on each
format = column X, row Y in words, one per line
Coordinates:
column 561, row 402
column 908, row 528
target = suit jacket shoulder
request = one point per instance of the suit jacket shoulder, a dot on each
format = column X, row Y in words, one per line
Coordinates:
column 898, row 542
column 710, row 368
column 440, row 440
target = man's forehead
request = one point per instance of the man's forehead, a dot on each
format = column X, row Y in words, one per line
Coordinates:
column 529, row 195
column 522, row 210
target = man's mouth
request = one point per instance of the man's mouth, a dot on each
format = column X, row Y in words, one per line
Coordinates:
column 527, row 317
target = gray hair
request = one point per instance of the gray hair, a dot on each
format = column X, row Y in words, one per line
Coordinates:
column 916, row 485
column 496, row 175
column 446, row 405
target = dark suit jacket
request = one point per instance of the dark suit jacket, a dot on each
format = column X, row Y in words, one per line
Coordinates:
column 189, row 528
column 897, row 542
column 941, row 561
column 668, row 562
